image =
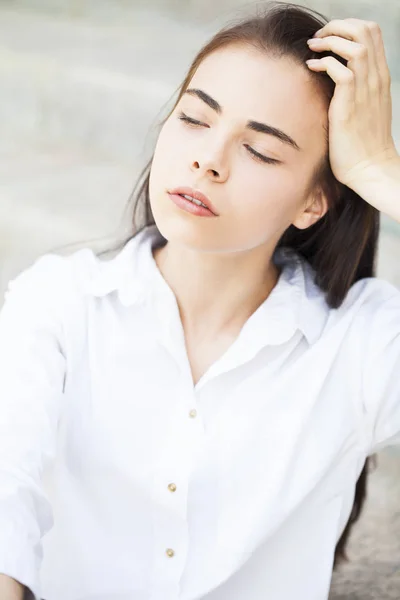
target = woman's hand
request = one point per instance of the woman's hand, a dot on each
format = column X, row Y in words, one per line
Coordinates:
column 360, row 113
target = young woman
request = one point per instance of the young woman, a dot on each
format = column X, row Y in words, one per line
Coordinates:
column 193, row 417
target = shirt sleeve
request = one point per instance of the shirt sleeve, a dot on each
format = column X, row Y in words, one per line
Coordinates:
column 381, row 369
column 32, row 368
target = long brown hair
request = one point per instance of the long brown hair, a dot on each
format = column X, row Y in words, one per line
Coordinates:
column 342, row 245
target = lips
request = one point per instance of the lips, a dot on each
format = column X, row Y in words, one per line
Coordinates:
column 189, row 191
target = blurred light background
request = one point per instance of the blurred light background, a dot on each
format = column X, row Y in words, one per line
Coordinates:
column 83, row 84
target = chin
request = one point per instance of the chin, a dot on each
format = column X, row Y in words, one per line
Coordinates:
column 177, row 226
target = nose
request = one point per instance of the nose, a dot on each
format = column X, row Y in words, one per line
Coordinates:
column 210, row 167
column 214, row 173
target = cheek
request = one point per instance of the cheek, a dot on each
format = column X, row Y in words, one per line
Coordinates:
column 165, row 171
column 161, row 164
column 261, row 190
column 169, row 150
column 171, row 138
column 160, row 152
column 266, row 201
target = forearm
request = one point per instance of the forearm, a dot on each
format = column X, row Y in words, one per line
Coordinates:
column 10, row 589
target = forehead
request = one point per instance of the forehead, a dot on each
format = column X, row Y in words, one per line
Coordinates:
column 250, row 84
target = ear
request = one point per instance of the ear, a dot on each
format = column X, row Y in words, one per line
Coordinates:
column 314, row 208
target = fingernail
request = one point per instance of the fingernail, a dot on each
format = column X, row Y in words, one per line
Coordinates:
column 317, row 33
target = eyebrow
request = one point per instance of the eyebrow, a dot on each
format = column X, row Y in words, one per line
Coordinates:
column 253, row 125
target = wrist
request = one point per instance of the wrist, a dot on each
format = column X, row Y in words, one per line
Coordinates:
column 376, row 171
column 379, row 185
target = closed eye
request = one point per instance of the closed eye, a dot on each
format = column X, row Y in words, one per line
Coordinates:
column 194, row 123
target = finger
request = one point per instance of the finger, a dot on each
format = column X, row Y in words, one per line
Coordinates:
column 381, row 64
column 354, row 30
column 354, row 53
column 381, row 60
column 344, row 79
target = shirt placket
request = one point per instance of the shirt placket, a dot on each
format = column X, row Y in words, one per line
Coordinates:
column 175, row 464
column 171, row 484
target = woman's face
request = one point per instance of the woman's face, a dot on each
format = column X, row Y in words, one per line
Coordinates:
column 256, row 201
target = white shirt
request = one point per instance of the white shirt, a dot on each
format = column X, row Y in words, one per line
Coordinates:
column 154, row 489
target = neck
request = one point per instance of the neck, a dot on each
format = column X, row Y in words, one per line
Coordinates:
column 216, row 292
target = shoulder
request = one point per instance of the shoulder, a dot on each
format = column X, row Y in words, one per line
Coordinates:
column 124, row 269
column 373, row 297
column 371, row 309
column 54, row 277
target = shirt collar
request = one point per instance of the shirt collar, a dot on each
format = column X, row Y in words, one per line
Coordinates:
column 296, row 302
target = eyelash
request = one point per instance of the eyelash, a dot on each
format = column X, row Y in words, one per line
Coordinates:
column 260, row 157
